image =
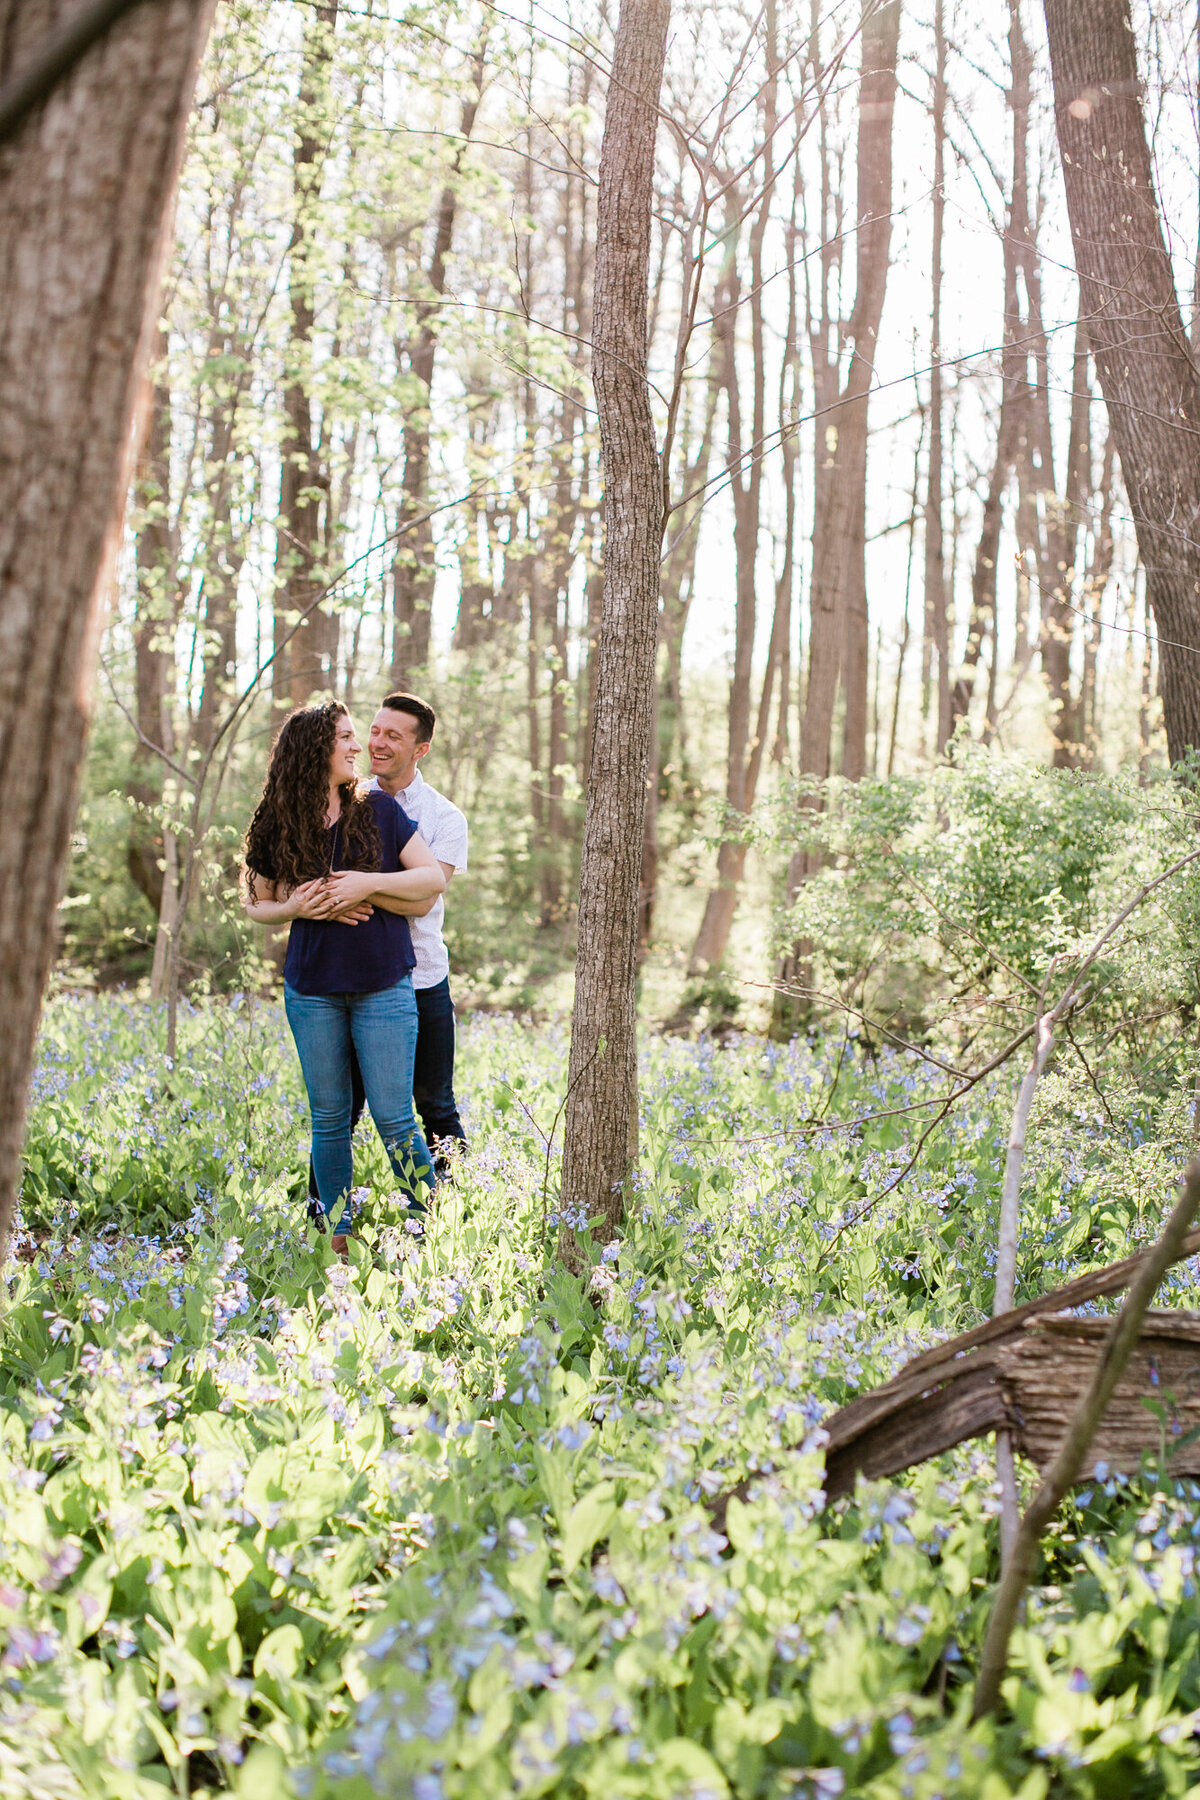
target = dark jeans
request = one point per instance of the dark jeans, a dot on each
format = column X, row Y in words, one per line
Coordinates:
column 433, row 1070
column 376, row 1033
column 433, row 1077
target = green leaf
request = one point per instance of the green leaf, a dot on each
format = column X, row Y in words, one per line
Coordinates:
column 587, row 1522
column 682, row 1761
column 281, row 1653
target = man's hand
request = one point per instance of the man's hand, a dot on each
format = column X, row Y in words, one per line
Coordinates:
column 356, row 913
column 347, row 893
column 350, row 887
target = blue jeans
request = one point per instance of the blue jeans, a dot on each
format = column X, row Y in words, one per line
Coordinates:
column 380, row 1031
column 433, row 1078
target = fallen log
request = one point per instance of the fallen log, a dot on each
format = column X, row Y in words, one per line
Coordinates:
column 974, row 1383
column 1155, row 1406
column 1024, row 1371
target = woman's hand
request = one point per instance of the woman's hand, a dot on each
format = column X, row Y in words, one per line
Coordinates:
column 311, row 900
column 273, row 904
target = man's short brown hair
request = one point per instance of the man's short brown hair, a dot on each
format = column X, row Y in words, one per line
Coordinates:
column 418, row 709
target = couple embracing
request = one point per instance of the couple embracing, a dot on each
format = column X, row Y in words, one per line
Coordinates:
column 359, row 871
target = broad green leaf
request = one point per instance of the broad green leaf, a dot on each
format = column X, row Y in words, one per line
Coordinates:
column 586, row 1523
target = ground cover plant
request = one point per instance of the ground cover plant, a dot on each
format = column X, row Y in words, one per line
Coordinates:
column 440, row 1522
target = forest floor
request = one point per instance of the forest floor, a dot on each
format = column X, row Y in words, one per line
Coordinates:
column 439, row 1523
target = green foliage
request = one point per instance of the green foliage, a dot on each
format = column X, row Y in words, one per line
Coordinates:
column 967, row 884
column 119, row 1135
column 438, row 1523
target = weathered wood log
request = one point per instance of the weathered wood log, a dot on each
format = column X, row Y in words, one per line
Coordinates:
column 1024, row 1371
column 1155, row 1406
column 1029, row 1383
column 954, row 1391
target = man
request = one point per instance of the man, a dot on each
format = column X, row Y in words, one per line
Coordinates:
column 400, row 737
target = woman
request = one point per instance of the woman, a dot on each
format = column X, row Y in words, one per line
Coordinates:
column 344, row 866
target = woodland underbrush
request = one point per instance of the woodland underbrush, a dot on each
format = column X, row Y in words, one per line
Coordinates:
column 439, row 1523
column 443, row 1522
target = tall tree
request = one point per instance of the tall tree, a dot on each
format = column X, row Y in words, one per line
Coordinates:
column 308, row 659
column 413, row 567
column 223, row 552
column 153, row 615
column 1145, row 366
column 601, row 1110
column 1012, row 429
column 1063, row 518
column 85, row 195
column 745, row 482
column 838, row 594
column 847, row 567
column 937, row 622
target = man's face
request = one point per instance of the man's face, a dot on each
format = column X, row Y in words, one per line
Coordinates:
column 393, row 745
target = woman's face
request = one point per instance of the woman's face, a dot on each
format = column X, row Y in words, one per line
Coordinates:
column 343, row 764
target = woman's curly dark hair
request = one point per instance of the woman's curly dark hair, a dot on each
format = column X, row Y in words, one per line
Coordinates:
column 286, row 842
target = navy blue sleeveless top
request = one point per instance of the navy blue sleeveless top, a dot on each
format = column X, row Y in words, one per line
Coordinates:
column 325, row 956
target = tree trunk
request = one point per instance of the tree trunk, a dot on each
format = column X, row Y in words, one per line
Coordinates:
column 789, row 408
column 679, row 583
column 1147, row 376
column 570, row 461
column 745, row 464
column 1012, row 427
column 308, row 662
column 839, row 580
column 413, row 569
column 224, row 554
column 168, row 908
column 1097, row 581
column 85, row 196
column 905, row 626
column 877, row 95
column 648, row 882
column 937, row 624
column 601, row 1109
column 838, row 605
column 1064, row 521
column 560, row 534
column 154, row 607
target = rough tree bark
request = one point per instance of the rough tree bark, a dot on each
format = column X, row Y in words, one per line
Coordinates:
column 601, row 1109
column 838, row 597
column 1013, row 426
column 745, row 482
column 306, row 661
column 937, row 624
column 1064, row 520
column 144, row 851
column 85, row 197
column 1128, row 298
column 877, row 97
column 224, row 554
column 413, row 568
